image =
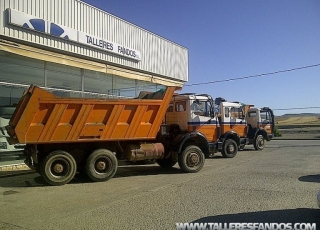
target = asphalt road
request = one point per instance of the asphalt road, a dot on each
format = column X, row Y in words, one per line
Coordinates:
column 276, row 185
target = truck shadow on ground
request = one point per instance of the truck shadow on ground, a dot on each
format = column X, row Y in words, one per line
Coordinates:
column 301, row 215
column 132, row 171
column 33, row 179
column 219, row 155
column 310, row 178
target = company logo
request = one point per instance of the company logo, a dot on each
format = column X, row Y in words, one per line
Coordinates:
column 28, row 21
column 36, row 24
column 56, row 30
column 40, row 25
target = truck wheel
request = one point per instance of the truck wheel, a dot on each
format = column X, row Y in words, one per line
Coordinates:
column 259, row 142
column 58, row 168
column 101, row 165
column 229, row 149
column 191, row 160
column 166, row 163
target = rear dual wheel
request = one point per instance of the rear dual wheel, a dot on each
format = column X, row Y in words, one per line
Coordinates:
column 58, row 168
column 101, row 165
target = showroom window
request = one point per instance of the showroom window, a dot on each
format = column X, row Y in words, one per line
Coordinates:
column 97, row 82
column 110, row 86
column 21, row 70
column 17, row 73
column 65, row 78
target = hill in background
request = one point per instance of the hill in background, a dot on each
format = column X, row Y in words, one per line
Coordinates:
column 298, row 119
column 301, row 115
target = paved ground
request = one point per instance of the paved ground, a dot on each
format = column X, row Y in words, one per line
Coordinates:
column 276, row 185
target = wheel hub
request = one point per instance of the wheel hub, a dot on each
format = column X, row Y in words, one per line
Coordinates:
column 231, row 148
column 58, row 168
column 193, row 159
column 101, row 165
column 261, row 141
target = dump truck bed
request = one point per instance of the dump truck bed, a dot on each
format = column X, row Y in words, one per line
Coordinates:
column 42, row 117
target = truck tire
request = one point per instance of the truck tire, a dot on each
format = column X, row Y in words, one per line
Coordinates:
column 229, row 148
column 259, row 142
column 191, row 160
column 166, row 163
column 58, row 168
column 101, row 165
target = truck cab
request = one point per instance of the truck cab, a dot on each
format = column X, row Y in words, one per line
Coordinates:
column 233, row 118
column 260, row 126
column 221, row 124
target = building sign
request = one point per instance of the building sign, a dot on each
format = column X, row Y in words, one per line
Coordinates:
column 84, row 38
column 30, row 22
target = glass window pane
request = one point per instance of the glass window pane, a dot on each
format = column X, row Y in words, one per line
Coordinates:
column 66, row 78
column 21, row 70
column 226, row 112
column 107, row 85
column 97, row 82
column 10, row 95
column 64, row 81
column 180, row 106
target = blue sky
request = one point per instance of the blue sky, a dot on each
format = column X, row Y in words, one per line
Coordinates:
column 238, row 38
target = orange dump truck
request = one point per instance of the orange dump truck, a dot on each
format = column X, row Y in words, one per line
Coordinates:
column 68, row 135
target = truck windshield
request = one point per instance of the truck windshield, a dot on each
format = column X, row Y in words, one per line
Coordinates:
column 265, row 116
column 203, row 107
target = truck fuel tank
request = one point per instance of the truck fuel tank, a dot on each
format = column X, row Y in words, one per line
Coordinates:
column 146, row 151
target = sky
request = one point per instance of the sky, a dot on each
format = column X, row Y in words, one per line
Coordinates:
column 230, row 39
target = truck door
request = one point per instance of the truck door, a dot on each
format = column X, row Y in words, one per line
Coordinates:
column 233, row 120
column 225, row 120
column 237, row 121
column 267, row 120
column 203, row 120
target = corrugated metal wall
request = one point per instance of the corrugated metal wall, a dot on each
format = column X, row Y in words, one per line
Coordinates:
column 158, row 55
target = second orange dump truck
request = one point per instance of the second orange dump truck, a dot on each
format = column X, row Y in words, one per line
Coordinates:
column 67, row 135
